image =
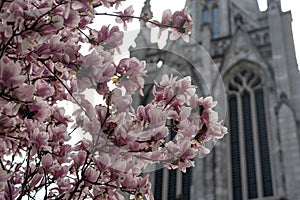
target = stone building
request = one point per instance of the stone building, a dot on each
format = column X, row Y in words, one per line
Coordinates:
column 252, row 71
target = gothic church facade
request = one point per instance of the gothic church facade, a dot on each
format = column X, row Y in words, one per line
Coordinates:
column 254, row 53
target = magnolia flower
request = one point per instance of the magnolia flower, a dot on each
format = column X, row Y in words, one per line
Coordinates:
column 79, row 158
column 4, row 176
column 39, row 138
column 96, row 68
column 109, row 38
column 120, row 102
column 41, row 63
column 43, row 88
column 59, row 171
column 92, row 174
column 71, row 17
column 179, row 23
column 153, row 116
column 39, row 110
column 131, row 72
column 36, row 179
column 10, row 73
column 182, row 23
column 47, row 161
column 172, row 93
column 24, row 92
column 165, row 21
column 207, row 103
column 6, row 30
column 125, row 16
column 63, row 185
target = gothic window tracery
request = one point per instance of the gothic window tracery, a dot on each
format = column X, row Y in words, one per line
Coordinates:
column 250, row 160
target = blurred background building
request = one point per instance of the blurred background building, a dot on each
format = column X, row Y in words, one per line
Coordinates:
column 254, row 54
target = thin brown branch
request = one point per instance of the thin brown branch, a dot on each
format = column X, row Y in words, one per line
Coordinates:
column 66, row 87
column 140, row 18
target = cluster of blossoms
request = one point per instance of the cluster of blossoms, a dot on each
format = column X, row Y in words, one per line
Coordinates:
column 40, row 65
column 179, row 23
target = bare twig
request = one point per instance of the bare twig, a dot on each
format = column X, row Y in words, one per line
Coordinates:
column 66, row 87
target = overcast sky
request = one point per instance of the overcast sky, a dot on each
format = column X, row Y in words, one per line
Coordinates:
column 158, row 6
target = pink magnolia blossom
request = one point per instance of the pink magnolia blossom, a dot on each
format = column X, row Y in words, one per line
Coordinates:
column 109, row 38
column 92, row 174
column 24, row 92
column 63, row 185
column 131, row 72
column 71, row 17
column 151, row 116
column 96, row 68
column 59, row 171
column 166, row 16
column 6, row 30
column 121, row 102
column 43, row 88
column 36, row 180
column 39, row 138
column 41, row 64
column 10, row 73
column 47, row 161
column 125, row 16
column 79, row 158
column 179, row 23
column 39, row 110
column 4, row 176
column 183, row 23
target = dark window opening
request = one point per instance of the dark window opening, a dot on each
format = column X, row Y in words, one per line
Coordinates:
column 235, row 150
column 158, row 184
column 249, row 146
column 186, row 184
column 263, row 144
column 172, row 184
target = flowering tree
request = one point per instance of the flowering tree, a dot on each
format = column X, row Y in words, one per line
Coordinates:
column 40, row 64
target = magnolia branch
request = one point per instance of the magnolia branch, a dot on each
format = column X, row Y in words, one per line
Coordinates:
column 142, row 18
column 66, row 87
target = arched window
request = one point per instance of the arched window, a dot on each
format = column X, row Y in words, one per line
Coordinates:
column 216, row 21
column 205, row 15
column 250, row 160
